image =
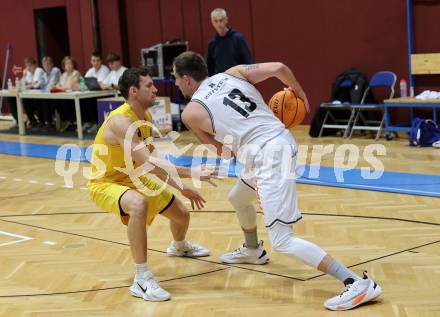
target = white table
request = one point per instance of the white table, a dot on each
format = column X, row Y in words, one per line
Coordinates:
column 75, row 95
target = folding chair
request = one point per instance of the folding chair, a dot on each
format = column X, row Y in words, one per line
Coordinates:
column 331, row 120
column 380, row 79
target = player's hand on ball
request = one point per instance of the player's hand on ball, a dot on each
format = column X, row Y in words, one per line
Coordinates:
column 300, row 93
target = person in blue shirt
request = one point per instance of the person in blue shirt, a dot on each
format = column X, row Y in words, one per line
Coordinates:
column 46, row 108
column 228, row 47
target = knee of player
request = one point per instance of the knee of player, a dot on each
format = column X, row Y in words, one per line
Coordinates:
column 184, row 213
column 181, row 213
column 138, row 207
column 232, row 196
column 236, row 199
column 241, row 195
column 281, row 243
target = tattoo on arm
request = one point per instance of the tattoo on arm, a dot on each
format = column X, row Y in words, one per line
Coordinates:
column 253, row 66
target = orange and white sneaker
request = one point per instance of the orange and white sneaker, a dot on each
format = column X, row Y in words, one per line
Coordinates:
column 355, row 294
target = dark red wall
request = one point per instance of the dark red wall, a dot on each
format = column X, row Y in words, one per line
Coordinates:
column 110, row 26
column 17, row 26
column 317, row 39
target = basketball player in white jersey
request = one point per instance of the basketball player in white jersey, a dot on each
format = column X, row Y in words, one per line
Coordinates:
column 227, row 108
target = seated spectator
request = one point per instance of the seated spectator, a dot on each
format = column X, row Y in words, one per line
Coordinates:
column 50, row 78
column 98, row 70
column 32, row 75
column 32, row 79
column 111, row 81
column 88, row 106
column 69, row 81
column 51, row 75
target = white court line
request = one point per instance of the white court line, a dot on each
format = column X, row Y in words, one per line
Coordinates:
column 50, row 242
column 23, row 238
column 393, row 190
column 16, row 269
column 32, row 181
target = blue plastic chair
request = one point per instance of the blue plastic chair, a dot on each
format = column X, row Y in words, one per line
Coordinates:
column 380, row 79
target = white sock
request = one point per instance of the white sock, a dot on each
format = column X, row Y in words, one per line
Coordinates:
column 179, row 244
column 141, row 269
column 251, row 239
column 339, row 271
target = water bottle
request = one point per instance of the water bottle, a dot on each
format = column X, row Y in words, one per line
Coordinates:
column 10, row 84
column 42, row 84
column 81, row 84
column 403, row 88
column 17, row 83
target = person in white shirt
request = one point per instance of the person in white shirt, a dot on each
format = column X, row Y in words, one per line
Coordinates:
column 32, row 74
column 111, row 81
column 88, row 106
column 32, row 79
column 98, row 70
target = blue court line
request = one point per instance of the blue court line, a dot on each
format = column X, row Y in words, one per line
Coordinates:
column 393, row 182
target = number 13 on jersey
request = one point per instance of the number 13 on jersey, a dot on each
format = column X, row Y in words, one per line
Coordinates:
column 230, row 101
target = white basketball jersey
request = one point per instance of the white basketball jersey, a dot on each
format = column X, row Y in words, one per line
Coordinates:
column 237, row 109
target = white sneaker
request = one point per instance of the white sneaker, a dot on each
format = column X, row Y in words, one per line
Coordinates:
column 148, row 289
column 361, row 291
column 244, row 254
column 190, row 249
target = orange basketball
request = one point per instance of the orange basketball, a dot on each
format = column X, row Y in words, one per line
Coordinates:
column 288, row 107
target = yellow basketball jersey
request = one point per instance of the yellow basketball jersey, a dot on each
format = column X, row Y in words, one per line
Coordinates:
column 106, row 157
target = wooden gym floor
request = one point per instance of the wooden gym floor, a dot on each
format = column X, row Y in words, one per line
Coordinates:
column 62, row 256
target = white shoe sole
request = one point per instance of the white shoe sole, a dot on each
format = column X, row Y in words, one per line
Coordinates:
column 260, row 261
column 144, row 296
column 183, row 254
column 367, row 296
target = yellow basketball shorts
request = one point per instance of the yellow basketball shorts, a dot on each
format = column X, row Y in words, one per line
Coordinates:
column 107, row 196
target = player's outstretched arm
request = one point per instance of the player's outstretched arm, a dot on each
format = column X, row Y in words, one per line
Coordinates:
column 116, row 133
column 256, row 73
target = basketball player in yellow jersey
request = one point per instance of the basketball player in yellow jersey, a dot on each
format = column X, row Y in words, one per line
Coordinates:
column 136, row 198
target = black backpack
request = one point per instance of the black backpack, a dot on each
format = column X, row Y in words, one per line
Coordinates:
column 352, row 94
